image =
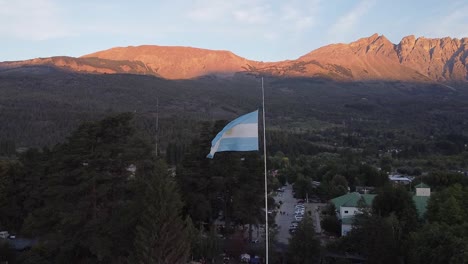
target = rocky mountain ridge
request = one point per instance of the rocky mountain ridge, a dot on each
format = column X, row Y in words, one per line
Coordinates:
column 371, row 58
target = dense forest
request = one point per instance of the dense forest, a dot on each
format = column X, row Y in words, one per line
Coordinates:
column 79, row 174
column 55, row 102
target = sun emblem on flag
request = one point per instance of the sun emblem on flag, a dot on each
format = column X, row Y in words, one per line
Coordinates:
column 229, row 132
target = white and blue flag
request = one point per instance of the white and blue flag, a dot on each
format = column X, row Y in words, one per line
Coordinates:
column 241, row 134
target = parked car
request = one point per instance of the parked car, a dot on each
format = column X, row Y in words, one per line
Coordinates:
column 245, row 258
column 225, row 258
column 298, row 217
column 255, row 260
column 280, row 189
column 4, row 234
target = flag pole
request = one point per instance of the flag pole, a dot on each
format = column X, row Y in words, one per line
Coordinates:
column 266, row 190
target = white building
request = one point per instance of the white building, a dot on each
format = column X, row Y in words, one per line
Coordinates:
column 422, row 190
column 349, row 205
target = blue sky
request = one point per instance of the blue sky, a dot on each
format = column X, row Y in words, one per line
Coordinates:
column 263, row 30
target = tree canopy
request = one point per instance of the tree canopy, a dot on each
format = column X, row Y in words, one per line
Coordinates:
column 303, row 246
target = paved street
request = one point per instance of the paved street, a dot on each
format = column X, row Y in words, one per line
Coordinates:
column 284, row 220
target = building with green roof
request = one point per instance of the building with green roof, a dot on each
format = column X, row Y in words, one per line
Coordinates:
column 350, row 204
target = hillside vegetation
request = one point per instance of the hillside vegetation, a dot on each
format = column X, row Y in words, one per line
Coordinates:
column 40, row 107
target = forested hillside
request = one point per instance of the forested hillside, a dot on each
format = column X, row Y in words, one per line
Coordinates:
column 39, row 106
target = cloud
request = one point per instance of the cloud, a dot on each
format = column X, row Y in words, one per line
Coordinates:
column 454, row 23
column 288, row 17
column 235, row 11
column 347, row 24
column 210, row 10
column 31, row 20
column 260, row 14
column 207, row 13
column 299, row 17
column 276, row 26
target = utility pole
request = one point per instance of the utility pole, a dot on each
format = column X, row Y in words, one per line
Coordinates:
column 157, row 125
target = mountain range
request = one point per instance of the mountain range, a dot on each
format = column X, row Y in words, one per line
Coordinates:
column 419, row 86
column 371, row 58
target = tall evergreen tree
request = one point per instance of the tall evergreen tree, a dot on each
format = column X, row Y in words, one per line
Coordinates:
column 12, row 197
column 194, row 179
column 449, row 206
column 162, row 236
column 230, row 183
column 248, row 197
column 303, row 246
column 439, row 243
column 397, row 201
column 89, row 195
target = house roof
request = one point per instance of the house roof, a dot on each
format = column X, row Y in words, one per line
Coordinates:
column 352, row 200
column 395, row 178
column 368, row 198
column 341, row 200
column 422, row 185
column 421, row 204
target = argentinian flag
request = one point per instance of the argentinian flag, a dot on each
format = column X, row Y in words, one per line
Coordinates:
column 239, row 135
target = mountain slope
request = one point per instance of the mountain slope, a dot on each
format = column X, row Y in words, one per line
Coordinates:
column 439, row 59
column 371, row 58
column 89, row 65
column 367, row 58
column 178, row 62
column 412, row 59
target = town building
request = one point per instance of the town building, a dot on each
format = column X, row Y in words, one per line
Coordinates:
column 350, row 204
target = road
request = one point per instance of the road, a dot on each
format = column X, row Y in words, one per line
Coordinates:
column 284, row 220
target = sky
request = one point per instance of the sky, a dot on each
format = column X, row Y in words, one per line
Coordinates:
column 262, row 30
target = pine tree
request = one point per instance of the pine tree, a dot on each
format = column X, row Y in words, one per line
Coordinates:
column 194, row 177
column 88, row 194
column 304, row 247
column 12, row 196
column 162, row 236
